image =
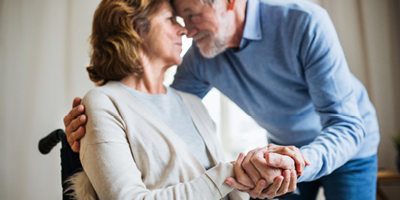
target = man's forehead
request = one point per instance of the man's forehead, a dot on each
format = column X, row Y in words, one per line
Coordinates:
column 186, row 5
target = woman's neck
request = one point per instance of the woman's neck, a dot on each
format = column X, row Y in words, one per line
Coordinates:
column 151, row 82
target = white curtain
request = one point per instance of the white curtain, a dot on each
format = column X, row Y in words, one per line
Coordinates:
column 44, row 52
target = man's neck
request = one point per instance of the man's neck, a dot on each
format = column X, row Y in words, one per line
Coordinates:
column 239, row 23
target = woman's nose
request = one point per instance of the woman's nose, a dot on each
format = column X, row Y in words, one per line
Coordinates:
column 182, row 31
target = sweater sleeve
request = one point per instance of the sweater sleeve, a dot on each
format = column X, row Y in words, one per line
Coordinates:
column 108, row 162
column 330, row 87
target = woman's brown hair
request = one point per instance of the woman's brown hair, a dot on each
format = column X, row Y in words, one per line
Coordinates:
column 116, row 40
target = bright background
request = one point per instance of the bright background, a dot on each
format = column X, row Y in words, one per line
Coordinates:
column 44, row 52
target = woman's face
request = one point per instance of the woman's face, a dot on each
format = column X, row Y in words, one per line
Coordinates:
column 164, row 41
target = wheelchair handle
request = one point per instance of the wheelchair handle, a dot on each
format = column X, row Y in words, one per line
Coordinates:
column 47, row 143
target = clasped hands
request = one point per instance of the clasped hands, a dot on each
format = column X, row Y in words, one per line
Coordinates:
column 268, row 172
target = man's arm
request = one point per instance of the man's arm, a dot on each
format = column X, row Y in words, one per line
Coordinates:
column 74, row 124
column 331, row 90
column 188, row 77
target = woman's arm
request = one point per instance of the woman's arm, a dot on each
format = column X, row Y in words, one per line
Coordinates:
column 108, row 162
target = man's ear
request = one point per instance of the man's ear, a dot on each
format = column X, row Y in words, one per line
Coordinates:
column 231, row 4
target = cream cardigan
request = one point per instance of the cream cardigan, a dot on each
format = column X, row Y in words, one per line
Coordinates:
column 129, row 153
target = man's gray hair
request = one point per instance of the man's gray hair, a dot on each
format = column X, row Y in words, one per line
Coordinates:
column 211, row 2
column 208, row 1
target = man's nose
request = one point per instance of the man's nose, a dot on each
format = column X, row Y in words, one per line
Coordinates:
column 191, row 30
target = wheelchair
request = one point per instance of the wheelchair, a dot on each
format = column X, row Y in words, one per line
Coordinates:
column 71, row 164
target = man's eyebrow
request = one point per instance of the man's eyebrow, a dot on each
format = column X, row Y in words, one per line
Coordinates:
column 187, row 10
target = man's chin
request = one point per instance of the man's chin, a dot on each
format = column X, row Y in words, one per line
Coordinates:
column 209, row 52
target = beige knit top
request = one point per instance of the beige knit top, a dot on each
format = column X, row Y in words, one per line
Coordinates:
column 129, row 153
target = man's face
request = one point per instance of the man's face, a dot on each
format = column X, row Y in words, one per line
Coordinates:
column 206, row 24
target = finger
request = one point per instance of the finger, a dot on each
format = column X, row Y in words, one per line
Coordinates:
column 279, row 161
column 76, row 102
column 264, row 149
column 74, row 113
column 294, row 153
column 306, row 161
column 293, row 181
column 233, row 183
column 258, row 159
column 241, row 175
column 291, row 151
column 265, row 170
column 299, row 165
column 248, row 167
column 271, row 191
column 285, row 183
column 256, row 192
column 75, row 124
column 74, row 137
column 76, row 146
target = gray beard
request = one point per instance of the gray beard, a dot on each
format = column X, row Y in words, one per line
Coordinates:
column 214, row 47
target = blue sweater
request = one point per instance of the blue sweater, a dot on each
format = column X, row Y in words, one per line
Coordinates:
column 291, row 76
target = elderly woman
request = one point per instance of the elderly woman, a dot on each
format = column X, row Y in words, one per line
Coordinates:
column 145, row 140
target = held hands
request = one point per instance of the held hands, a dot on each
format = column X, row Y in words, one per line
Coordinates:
column 268, row 172
column 74, row 122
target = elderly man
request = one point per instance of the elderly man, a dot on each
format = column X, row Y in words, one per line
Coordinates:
column 282, row 63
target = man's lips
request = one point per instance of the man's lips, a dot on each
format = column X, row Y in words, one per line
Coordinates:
column 200, row 39
column 200, row 36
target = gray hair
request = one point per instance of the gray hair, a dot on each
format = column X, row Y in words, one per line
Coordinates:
column 211, row 2
column 208, row 1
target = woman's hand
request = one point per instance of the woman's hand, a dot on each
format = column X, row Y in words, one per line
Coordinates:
column 281, row 185
column 278, row 182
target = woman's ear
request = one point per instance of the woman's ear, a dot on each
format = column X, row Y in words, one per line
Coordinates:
column 144, row 59
column 231, row 4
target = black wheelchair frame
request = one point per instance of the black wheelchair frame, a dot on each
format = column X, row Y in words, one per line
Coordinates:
column 70, row 163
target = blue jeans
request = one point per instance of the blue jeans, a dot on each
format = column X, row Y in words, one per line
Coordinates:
column 355, row 180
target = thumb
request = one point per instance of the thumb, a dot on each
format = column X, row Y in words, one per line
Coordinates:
column 279, row 161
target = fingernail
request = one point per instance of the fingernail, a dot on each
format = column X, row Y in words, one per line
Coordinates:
column 80, row 108
column 293, row 173
column 262, row 183
column 227, row 182
column 82, row 118
column 287, row 174
column 271, row 158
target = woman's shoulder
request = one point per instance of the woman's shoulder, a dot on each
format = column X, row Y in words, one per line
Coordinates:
column 102, row 95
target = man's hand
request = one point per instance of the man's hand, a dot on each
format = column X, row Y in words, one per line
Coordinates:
column 74, row 122
column 290, row 151
column 278, row 182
